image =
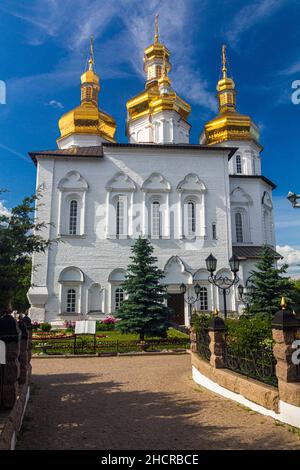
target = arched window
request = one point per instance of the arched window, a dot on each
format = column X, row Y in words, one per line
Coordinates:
column 73, row 217
column 238, row 163
column 239, row 227
column 203, row 299
column 120, row 216
column 71, row 301
column 191, row 213
column 119, row 297
column 155, row 219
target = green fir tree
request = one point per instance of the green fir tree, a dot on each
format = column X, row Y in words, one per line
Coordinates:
column 270, row 284
column 144, row 311
column 20, row 237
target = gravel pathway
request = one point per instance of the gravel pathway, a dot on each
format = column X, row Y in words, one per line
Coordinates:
column 148, row 402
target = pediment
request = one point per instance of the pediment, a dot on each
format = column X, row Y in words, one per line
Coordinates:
column 239, row 196
column 121, row 182
column 73, row 181
column 191, row 183
column 156, row 182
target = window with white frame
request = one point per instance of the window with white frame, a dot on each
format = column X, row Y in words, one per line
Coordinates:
column 119, row 297
column 214, row 230
column 203, row 299
column 192, row 223
column 71, row 301
column 73, row 216
column 239, row 233
column 72, row 197
column 155, row 219
column 71, row 280
column 238, row 164
column 191, row 215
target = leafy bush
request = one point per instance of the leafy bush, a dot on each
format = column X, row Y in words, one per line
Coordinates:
column 45, row 327
column 201, row 319
column 250, row 332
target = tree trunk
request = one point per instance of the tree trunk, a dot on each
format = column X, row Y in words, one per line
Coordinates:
column 142, row 336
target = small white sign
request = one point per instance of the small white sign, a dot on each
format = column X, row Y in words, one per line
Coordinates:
column 2, row 352
column 85, row 327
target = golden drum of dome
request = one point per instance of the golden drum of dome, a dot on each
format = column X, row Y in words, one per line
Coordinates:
column 87, row 118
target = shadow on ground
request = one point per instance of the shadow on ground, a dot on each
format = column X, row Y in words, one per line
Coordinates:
column 73, row 411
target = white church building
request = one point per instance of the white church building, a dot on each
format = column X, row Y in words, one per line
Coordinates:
column 189, row 200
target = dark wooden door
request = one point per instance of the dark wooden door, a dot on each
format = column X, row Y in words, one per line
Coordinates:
column 176, row 303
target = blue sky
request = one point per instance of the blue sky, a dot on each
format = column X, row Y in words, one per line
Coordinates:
column 44, row 45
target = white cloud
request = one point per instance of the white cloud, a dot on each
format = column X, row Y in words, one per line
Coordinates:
column 134, row 31
column 16, row 153
column 291, row 70
column 250, row 15
column 287, row 221
column 291, row 256
column 56, row 104
column 4, row 210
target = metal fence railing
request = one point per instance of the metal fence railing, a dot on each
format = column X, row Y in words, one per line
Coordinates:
column 256, row 363
column 83, row 345
column 203, row 341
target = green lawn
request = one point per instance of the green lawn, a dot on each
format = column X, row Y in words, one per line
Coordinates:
column 117, row 336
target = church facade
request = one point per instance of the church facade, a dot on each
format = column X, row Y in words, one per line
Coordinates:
column 189, row 200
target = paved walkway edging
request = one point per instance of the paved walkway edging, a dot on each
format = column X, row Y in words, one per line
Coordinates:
column 288, row 414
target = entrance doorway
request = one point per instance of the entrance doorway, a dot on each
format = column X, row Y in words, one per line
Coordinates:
column 176, row 303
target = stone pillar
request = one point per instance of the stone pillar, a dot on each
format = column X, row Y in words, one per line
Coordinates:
column 23, row 358
column 284, row 332
column 10, row 334
column 217, row 330
column 193, row 339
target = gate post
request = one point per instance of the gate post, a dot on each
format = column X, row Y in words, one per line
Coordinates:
column 217, row 329
column 284, row 332
column 193, row 340
column 10, row 334
column 23, row 358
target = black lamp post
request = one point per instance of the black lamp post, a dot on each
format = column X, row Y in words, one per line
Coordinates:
column 191, row 299
column 293, row 198
column 224, row 283
column 244, row 292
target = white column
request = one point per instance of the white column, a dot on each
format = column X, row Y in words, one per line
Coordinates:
column 203, row 216
column 166, row 225
column 83, row 212
column 145, row 217
column 180, row 221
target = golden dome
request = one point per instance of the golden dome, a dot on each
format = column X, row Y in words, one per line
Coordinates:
column 87, row 118
column 229, row 124
column 158, row 95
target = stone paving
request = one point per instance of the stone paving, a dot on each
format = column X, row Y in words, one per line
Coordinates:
column 148, row 402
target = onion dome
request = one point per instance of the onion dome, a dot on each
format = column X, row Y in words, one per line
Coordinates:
column 229, row 125
column 87, row 118
column 158, row 95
